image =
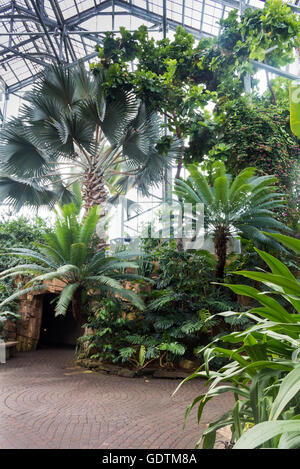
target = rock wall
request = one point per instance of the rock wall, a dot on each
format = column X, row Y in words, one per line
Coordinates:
column 28, row 328
column 31, row 309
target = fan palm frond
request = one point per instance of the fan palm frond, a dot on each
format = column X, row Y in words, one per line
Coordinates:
column 69, row 122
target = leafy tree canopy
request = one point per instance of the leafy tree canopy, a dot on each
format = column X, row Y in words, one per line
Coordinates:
column 180, row 77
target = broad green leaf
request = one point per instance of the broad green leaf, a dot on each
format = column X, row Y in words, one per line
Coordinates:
column 287, row 241
column 221, row 190
column 289, row 387
column 277, row 267
column 265, row 431
column 286, row 285
column 279, row 313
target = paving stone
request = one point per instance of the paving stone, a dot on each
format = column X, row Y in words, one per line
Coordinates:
column 47, row 403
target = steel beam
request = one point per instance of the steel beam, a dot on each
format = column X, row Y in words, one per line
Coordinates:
column 27, row 81
column 202, row 15
column 182, row 12
column 88, row 14
column 156, row 18
column 164, row 19
column 24, row 55
column 63, row 27
column 274, row 70
column 38, row 13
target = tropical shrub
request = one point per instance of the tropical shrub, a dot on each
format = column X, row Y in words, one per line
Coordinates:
column 183, row 298
column 120, row 334
column 178, row 318
column 263, row 372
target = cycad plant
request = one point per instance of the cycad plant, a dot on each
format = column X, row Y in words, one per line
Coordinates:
column 72, row 128
column 242, row 206
column 66, row 254
column 263, row 369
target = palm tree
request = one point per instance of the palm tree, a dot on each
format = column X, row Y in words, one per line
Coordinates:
column 72, row 129
column 67, row 254
column 242, row 206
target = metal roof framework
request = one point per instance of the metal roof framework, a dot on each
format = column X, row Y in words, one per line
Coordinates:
column 35, row 33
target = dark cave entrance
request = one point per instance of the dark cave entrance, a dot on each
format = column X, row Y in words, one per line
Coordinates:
column 57, row 331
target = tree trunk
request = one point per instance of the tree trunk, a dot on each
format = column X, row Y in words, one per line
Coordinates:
column 177, row 176
column 94, row 193
column 270, row 87
column 220, row 242
column 77, row 308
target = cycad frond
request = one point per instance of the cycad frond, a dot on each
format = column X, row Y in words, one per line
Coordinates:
column 63, row 257
column 65, row 298
column 244, row 206
column 88, row 226
column 200, row 185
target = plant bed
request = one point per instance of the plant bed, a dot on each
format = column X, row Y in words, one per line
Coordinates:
column 118, row 370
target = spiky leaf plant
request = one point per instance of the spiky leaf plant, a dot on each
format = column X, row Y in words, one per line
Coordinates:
column 66, row 255
column 243, row 206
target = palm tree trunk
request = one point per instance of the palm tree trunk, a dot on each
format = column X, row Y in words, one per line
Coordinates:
column 77, row 307
column 94, row 193
column 220, row 242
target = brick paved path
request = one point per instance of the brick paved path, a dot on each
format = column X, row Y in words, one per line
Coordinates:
column 47, row 402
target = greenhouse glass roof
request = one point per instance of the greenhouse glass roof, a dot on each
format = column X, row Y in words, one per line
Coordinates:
column 34, row 33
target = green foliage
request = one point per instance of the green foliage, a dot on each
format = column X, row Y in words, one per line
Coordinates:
column 276, row 23
column 123, row 338
column 162, row 68
column 14, row 233
column 163, row 65
column 181, row 79
column 178, row 318
column 183, row 300
column 280, row 88
column 264, row 371
column 260, row 137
